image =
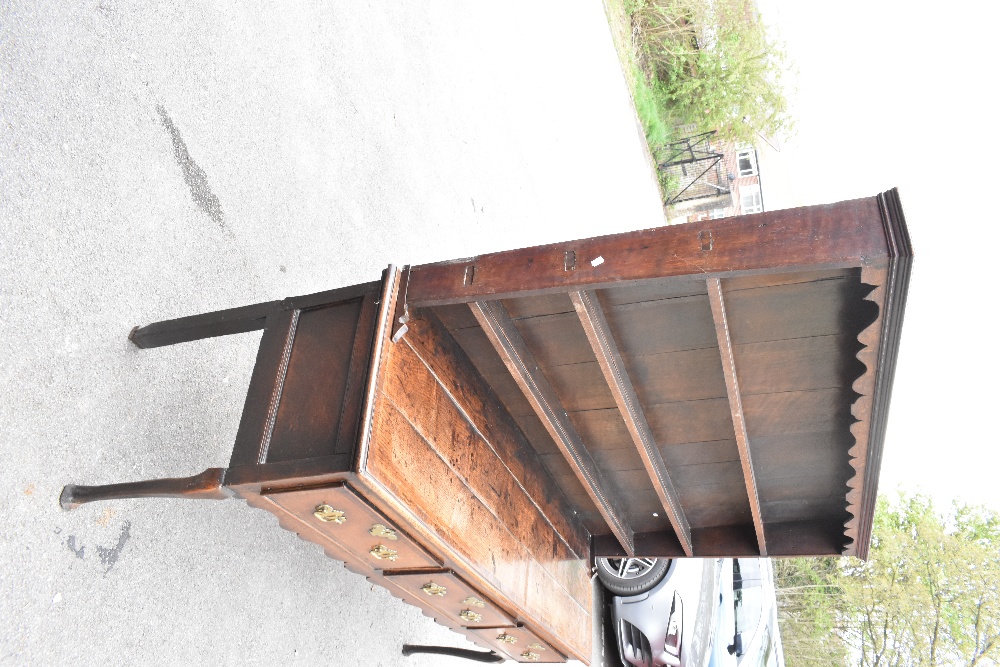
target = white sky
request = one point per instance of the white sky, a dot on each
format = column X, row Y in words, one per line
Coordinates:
column 903, row 94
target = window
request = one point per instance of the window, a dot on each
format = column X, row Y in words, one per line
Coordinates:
column 746, row 162
column 750, row 200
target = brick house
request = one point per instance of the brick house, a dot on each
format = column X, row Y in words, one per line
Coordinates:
column 716, row 180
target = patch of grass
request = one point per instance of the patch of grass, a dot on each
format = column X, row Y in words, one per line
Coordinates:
column 649, row 100
column 651, row 107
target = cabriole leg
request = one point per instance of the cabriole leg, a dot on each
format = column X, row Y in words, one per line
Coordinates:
column 207, row 484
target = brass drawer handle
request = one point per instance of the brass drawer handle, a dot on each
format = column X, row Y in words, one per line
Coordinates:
column 528, row 655
column 504, row 638
column 470, row 616
column 434, row 589
column 378, row 530
column 326, row 513
column 473, row 601
column 383, row 553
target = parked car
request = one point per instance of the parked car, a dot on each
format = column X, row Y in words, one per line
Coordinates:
column 656, row 606
column 747, row 619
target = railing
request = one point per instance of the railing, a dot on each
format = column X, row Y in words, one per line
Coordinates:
column 694, row 168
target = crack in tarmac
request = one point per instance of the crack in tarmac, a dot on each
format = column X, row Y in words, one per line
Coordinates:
column 194, row 175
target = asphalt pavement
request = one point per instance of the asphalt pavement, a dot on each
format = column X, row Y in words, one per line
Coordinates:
column 159, row 159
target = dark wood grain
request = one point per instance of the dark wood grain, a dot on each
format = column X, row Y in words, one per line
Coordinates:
column 495, row 321
column 792, row 310
column 668, row 325
column 205, row 485
column 736, row 407
column 808, row 239
column 306, row 424
column 204, row 325
column 613, row 367
column 437, row 351
column 480, row 541
column 688, row 375
column 412, row 390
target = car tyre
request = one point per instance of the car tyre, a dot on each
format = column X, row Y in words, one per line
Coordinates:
column 631, row 576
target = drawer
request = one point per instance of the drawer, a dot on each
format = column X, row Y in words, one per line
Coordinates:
column 346, row 518
column 520, row 644
column 445, row 593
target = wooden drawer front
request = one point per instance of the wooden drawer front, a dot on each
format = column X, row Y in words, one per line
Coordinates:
column 458, row 602
column 356, row 526
column 520, row 644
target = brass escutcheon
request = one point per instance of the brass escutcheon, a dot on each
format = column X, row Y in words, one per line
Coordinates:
column 506, row 639
column 470, row 616
column 536, row 646
column 473, row 601
column 378, row 530
column 434, row 589
column 528, row 655
column 326, row 513
column 383, row 553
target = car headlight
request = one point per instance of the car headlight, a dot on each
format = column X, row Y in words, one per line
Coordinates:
column 675, row 630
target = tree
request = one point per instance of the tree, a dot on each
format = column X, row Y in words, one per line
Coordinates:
column 714, row 65
column 928, row 595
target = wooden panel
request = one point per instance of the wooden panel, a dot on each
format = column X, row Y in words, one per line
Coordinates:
column 556, row 340
column 430, row 410
column 802, row 452
column 356, row 526
column 520, row 644
column 671, row 288
column 620, row 458
column 806, row 538
column 486, row 360
column 797, row 364
column 447, row 594
column 683, row 422
column 711, row 506
column 708, row 474
column 695, row 453
column 581, row 385
column 437, row 351
column 772, row 279
column 821, row 484
column 732, row 541
column 819, row 237
column 544, row 399
column 308, row 416
column 458, row 316
column 655, row 327
column 796, row 310
column 409, row 468
column 534, row 306
column 797, row 412
column 677, row 376
column 798, row 509
column 455, row 317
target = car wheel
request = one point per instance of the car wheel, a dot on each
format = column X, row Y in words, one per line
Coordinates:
column 631, row 576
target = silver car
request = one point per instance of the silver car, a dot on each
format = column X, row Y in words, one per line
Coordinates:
column 663, row 611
